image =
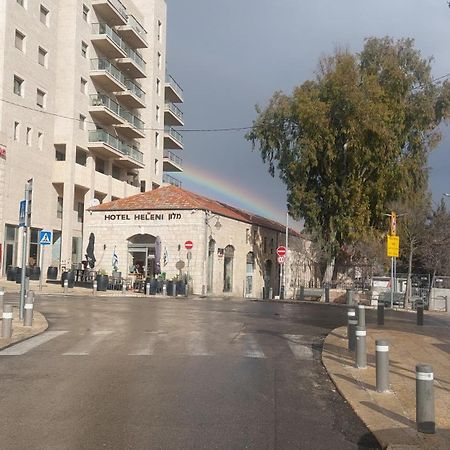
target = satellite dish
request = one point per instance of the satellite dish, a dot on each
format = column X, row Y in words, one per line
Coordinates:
column 94, row 202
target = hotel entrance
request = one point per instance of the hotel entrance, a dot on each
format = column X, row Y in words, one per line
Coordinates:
column 141, row 255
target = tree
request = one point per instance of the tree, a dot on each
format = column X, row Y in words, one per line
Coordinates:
column 353, row 139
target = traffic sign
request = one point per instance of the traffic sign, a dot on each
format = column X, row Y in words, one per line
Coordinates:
column 281, row 259
column 281, row 250
column 188, row 245
column 22, row 213
column 45, row 237
column 393, row 246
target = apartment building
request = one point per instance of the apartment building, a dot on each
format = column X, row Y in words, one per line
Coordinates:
column 87, row 111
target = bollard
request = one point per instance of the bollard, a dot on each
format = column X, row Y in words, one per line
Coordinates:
column 30, row 297
column 420, row 315
column 361, row 316
column 174, row 289
column 270, row 293
column 147, row 288
column 2, row 297
column 327, row 294
column 7, row 321
column 361, row 353
column 302, row 293
column 352, row 322
column 164, row 291
column 349, row 296
column 380, row 314
column 94, row 287
column 351, row 315
column 382, row 365
column 66, row 286
column 28, row 314
column 425, row 399
column 124, row 288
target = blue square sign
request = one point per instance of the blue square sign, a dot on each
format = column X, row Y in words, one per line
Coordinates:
column 45, row 237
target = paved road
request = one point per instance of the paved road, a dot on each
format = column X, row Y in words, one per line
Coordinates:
column 175, row 374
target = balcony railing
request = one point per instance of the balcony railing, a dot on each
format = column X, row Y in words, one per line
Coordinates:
column 171, row 180
column 116, row 144
column 174, row 133
column 135, row 57
column 175, row 86
column 120, row 7
column 174, row 158
column 135, row 89
column 104, row 64
column 140, row 30
column 175, row 110
column 103, row 28
column 135, row 121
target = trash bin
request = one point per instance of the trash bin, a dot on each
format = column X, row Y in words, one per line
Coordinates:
column 35, row 273
column 11, row 273
column 70, row 277
column 52, row 273
column 102, row 282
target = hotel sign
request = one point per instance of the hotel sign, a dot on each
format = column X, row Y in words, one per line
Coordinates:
column 142, row 217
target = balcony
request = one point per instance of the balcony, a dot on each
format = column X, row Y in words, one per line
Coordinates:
column 133, row 96
column 133, row 64
column 113, row 11
column 108, row 41
column 105, row 110
column 107, row 146
column 174, row 93
column 134, row 33
column 172, row 162
column 172, row 139
column 133, row 127
column 173, row 115
column 107, row 75
column 167, row 179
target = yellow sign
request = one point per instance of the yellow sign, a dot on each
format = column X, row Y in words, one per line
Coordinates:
column 393, row 223
column 393, row 246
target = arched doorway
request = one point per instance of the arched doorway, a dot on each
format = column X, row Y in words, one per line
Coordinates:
column 250, row 266
column 228, row 257
column 211, row 250
column 141, row 254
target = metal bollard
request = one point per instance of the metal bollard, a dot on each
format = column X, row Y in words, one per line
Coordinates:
column 361, row 316
column 420, row 315
column 270, row 293
column 147, row 289
column 7, row 321
column 425, row 399
column 351, row 327
column 327, row 294
column 94, row 287
column 124, row 288
column 28, row 314
column 174, row 289
column 350, row 316
column 382, row 365
column 361, row 353
column 2, row 297
column 164, row 291
column 380, row 314
column 66, row 286
column 349, row 296
column 302, row 293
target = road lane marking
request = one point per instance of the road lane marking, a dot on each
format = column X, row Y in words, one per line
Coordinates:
column 298, row 348
column 87, row 344
column 23, row 347
column 147, row 346
column 197, row 344
column 251, row 346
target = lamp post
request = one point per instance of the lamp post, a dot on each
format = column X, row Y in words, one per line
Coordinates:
column 208, row 216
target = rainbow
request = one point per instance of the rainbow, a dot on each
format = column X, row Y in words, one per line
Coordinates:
column 231, row 193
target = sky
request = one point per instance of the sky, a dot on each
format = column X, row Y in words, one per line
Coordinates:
column 231, row 55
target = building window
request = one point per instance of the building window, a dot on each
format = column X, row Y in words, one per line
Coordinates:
column 99, row 165
column 157, row 113
column 83, row 86
column 159, row 30
column 85, row 13
column 59, row 208
column 80, row 212
column 42, row 57
column 20, row 41
column 82, row 122
column 156, row 166
column 80, row 157
column 20, row 2
column 142, row 185
column 18, row 86
column 40, row 98
column 228, row 268
column 28, row 136
column 156, row 140
column 159, row 60
column 116, row 172
column 60, row 152
column 44, row 13
column 16, row 131
column 40, row 139
column 84, row 48
column 158, row 86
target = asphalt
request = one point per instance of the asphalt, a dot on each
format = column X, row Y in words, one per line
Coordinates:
column 389, row 416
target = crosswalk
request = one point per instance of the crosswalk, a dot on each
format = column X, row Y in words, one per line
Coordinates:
column 158, row 342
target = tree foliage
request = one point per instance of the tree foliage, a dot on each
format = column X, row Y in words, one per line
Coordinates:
column 353, row 139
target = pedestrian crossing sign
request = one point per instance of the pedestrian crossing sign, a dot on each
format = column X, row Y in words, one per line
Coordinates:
column 45, row 237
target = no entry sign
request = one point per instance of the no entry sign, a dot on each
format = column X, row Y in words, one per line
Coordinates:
column 281, row 251
column 188, row 245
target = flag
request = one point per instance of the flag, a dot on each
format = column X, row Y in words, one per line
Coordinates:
column 115, row 260
column 165, row 257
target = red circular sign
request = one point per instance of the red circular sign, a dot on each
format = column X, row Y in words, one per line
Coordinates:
column 188, row 245
column 281, row 251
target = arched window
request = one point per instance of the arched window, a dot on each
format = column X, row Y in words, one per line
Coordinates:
column 228, row 256
column 250, row 267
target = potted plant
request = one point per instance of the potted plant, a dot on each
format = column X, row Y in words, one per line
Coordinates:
column 102, row 280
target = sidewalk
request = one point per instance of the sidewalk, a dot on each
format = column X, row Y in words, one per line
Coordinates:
column 391, row 416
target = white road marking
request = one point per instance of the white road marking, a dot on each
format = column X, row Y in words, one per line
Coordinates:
column 251, row 347
column 299, row 349
column 25, row 346
column 147, row 345
column 88, row 343
column 197, row 344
